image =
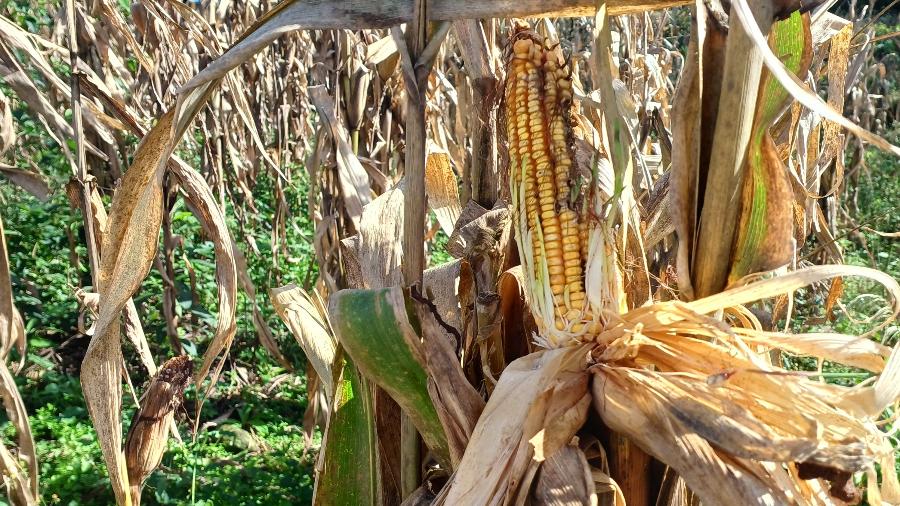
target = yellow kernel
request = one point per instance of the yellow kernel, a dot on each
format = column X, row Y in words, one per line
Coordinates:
column 573, row 271
column 522, row 47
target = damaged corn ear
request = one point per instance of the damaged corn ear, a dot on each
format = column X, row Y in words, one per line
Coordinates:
column 553, row 235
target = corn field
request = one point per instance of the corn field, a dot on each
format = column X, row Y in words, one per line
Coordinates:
column 628, row 214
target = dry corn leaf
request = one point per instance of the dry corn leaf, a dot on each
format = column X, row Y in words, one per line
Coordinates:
column 477, row 230
column 449, row 287
column 7, row 131
column 832, row 138
column 311, row 330
column 441, row 189
column 377, row 248
column 12, row 329
column 516, row 320
column 129, row 248
column 133, row 329
column 203, row 205
column 34, row 183
column 293, row 15
column 14, row 479
column 20, row 82
column 457, row 403
column 351, row 174
column 764, row 238
column 720, row 211
column 21, row 483
column 795, row 87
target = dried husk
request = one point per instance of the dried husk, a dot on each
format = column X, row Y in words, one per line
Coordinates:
column 148, row 435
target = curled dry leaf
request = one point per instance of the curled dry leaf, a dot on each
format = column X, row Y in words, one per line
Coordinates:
column 449, row 287
column 477, row 231
column 685, row 170
column 203, row 205
column 129, row 247
column 307, row 323
column 639, row 416
column 351, row 174
column 457, row 403
column 91, row 300
column 147, row 437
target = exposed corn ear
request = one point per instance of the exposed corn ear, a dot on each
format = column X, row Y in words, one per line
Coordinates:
column 561, row 241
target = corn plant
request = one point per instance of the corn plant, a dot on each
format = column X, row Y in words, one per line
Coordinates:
column 619, row 215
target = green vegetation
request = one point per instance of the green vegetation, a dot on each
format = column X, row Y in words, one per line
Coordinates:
column 251, row 447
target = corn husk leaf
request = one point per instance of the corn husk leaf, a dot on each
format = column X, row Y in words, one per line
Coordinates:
column 147, row 437
column 565, row 479
column 477, row 230
column 639, row 416
column 699, row 395
column 536, row 407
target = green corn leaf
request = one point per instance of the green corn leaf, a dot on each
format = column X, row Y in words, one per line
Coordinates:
column 764, row 237
column 350, row 464
column 374, row 330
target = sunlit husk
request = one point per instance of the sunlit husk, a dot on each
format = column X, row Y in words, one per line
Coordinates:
column 704, row 398
column 148, row 436
column 669, row 376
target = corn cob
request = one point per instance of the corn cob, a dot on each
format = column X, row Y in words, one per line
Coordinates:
column 553, row 237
